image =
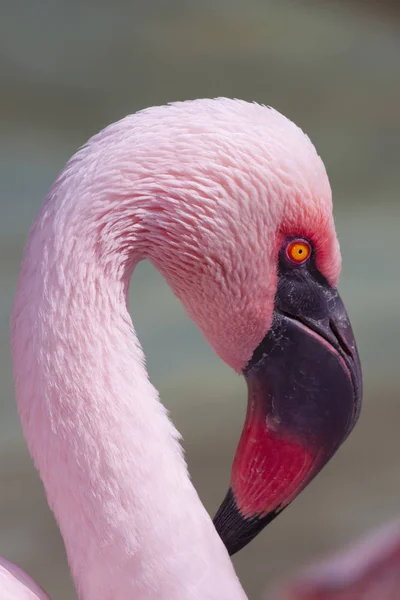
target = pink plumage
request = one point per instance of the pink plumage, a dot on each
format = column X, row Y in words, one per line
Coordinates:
column 206, row 190
column 367, row 570
column 17, row 585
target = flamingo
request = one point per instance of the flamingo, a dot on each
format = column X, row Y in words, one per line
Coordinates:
column 231, row 203
column 366, row 570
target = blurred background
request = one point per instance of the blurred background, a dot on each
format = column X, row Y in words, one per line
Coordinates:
column 70, row 67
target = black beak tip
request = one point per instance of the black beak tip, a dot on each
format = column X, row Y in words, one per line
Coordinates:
column 236, row 530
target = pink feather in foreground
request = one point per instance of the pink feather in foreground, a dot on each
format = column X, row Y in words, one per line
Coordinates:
column 232, row 204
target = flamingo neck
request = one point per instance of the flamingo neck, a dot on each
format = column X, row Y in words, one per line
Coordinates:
column 108, row 455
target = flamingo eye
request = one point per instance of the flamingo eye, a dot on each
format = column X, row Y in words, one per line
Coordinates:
column 298, row 251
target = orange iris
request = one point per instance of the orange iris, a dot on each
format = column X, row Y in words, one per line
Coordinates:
column 299, row 251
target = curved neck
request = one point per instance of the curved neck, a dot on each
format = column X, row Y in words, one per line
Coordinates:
column 108, row 455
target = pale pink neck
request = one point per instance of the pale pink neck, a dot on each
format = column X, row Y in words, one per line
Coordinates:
column 110, row 459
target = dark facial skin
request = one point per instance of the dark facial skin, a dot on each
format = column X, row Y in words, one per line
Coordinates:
column 304, row 397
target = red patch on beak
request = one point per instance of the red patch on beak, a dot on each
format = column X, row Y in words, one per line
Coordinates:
column 271, row 466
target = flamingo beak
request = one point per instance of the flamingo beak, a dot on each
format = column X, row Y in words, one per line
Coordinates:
column 304, row 397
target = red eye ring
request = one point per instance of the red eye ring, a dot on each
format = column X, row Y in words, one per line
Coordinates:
column 298, row 251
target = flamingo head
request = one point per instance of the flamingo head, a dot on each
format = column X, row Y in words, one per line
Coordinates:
column 235, row 208
column 261, row 264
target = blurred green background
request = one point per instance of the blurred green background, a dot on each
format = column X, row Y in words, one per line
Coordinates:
column 67, row 69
